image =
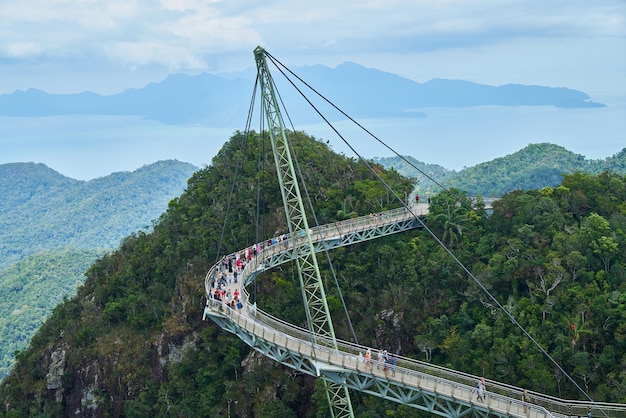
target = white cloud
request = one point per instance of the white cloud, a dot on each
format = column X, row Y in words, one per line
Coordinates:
column 22, row 49
column 219, row 35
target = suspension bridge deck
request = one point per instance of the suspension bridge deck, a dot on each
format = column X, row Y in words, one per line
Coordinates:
column 441, row 391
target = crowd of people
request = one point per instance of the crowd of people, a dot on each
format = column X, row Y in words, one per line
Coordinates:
column 225, row 282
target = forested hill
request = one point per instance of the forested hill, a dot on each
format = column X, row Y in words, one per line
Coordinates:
column 42, row 209
column 53, row 228
column 533, row 167
column 132, row 342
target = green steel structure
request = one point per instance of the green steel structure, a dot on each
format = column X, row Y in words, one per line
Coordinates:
column 318, row 314
column 317, row 352
column 440, row 391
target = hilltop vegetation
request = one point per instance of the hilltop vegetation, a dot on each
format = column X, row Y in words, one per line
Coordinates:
column 53, row 228
column 534, row 167
column 132, row 341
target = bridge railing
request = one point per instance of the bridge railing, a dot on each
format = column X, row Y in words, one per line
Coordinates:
column 339, row 228
column 284, row 242
column 407, row 365
column 323, row 348
column 346, row 355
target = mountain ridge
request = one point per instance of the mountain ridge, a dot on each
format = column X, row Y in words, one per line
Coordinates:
column 49, row 207
column 532, row 167
column 53, row 228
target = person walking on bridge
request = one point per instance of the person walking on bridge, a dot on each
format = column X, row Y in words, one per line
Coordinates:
column 480, row 390
column 368, row 360
column 386, row 366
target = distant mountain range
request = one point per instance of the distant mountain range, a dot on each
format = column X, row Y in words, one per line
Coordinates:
column 53, row 228
column 534, row 167
column 42, row 209
column 223, row 101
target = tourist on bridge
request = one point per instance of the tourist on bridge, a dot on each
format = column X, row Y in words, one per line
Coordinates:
column 379, row 359
column 386, row 366
column 525, row 399
column 480, row 390
column 368, row 360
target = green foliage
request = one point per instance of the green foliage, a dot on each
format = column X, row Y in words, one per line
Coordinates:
column 42, row 210
column 534, row 167
column 134, row 327
column 53, row 228
column 30, row 289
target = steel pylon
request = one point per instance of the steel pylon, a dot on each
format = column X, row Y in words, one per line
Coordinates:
column 314, row 296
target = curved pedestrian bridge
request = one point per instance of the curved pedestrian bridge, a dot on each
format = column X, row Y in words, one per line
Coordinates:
column 441, row 391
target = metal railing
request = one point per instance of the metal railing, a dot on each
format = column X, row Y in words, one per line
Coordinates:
column 406, row 366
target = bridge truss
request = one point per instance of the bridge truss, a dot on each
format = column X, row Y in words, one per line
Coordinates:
column 317, row 352
column 311, row 284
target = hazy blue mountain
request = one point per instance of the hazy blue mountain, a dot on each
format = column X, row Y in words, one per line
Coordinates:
column 224, row 101
column 428, row 177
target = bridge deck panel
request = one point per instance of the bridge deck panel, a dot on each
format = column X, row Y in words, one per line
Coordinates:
column 417, row 384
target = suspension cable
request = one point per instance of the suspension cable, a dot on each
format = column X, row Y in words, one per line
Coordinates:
column 260, row 164
column 234, row 181
column 279, row 65
column 423, row 225
column 316, row 222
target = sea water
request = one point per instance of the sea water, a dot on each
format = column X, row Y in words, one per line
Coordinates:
column 463, row 137
column 87, row 146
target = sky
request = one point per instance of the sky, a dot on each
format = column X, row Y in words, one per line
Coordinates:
column 106, row 46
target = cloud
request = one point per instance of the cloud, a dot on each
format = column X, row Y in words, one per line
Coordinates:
column 21, row 50
column 216, row 35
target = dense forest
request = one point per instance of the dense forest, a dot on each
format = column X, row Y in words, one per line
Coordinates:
column 53, row 228
column 533, row 167
column 132, row 341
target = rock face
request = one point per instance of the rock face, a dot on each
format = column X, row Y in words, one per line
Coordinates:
column 84, row 389
column 56, row 370
column 391, row 324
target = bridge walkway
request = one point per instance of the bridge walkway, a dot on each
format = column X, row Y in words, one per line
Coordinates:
column 439, row 390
